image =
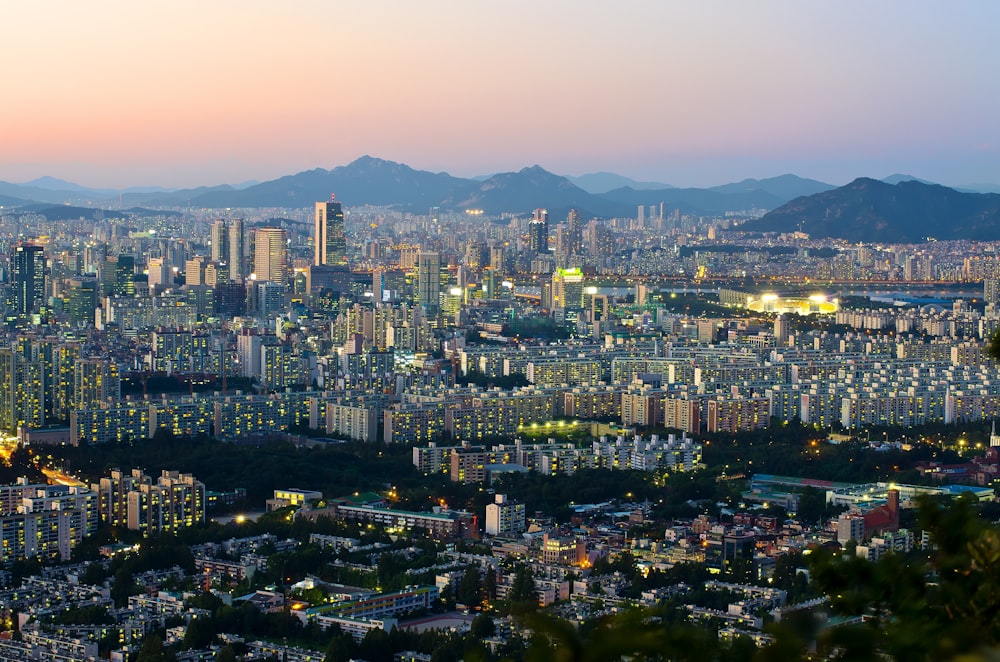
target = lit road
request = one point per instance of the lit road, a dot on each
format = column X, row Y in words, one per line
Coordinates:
column 8, row 443
column 57, row 477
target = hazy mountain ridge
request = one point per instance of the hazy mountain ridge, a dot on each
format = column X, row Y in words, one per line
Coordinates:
column 375, row 181
column 602, row 182
column 869, row 210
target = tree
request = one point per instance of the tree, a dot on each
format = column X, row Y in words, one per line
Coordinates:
column 342, row 646
column 375, row 647
column 522, row 589
column 482, row 626
column 225, row 654
column 152, row 650
column 631, row 635
column 490, row 585
column 940, row 605
column 199, row 634
column 468, row 592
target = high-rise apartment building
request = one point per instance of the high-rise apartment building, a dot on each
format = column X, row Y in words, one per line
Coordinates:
column 329, row 237
column 28, row 279
column 172, row 502
column 22, row 389
column 96, row 381
column 270, row 259
column 505, row 517
column 44, row 521
column 429, row 279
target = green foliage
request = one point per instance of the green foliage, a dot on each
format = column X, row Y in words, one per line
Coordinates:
column 469, row 588
column 152, row 650
column 939, row 605
column 88, row 615
column 631, row 635
column 522, row 589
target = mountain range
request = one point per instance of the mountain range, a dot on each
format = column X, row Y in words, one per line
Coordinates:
column 869, row 210
column 900, row 208
column 374, row 181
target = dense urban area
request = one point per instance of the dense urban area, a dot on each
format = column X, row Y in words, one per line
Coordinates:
column 353, row 432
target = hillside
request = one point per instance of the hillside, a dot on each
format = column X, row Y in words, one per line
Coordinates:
column 868, row 210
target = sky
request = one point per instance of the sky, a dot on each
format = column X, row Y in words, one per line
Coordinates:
column 117, row 93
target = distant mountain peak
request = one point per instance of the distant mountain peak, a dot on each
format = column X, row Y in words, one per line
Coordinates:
column 897, row 178
column 54, row 184
column 870, row 210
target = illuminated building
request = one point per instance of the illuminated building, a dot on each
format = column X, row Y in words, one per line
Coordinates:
column 120, row 422
column 329, row 238
column 194, row 270
column 95, row 381
column 429, row 280
column 413, row 423
column 738, row 414
column 134, row 500
column 81, row 300
column 44, row 521
column 219, row 240
column 270, row 299
column 567, row 289
column 369, row 370
column 682, row 414
column 28, row 279
column 270, row 258
column 593, row 403
column 538, row 232
column 180, row 351
column 237, row 261
column 468, row 464
column 353, row 421
column 505, row 517
column 158, row 269
column 575, row 223
column 279, row 367
column 22, row 390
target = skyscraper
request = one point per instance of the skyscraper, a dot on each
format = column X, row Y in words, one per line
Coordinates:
column 270, row 258
column 220, row 241
column 28, row 278
column 538, row 232
column 575, row 231
column 429, row 279
column 331, row 244
column 237, row 251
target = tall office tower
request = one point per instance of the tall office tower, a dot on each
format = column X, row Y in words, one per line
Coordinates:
column 194, row 270
column 331, row 244
column 497, row 258
column 429, row 279
column 575, row 224
column 640, row 217
column 270, row 257
column 219, row 237
column 28, row 278
column 125, row 276
column 159, row 273
column 538, row 232
column 781, row 330
column 237, row 258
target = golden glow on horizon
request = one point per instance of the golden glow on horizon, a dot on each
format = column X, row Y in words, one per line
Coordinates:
column 195, row 92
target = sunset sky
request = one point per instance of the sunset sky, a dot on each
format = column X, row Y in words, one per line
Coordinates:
column 117, row 93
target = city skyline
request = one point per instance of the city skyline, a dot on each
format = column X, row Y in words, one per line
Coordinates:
column 121, row 95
